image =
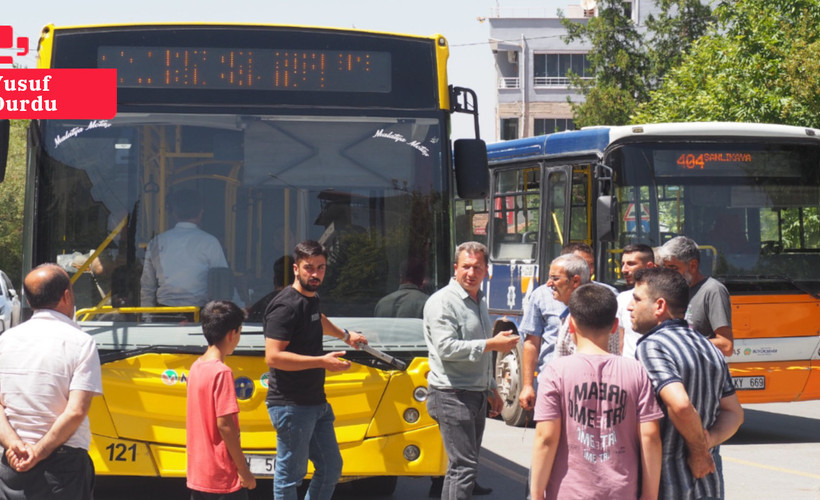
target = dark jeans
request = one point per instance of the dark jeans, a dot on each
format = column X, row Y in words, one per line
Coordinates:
column 67, row 474
column 460, row 415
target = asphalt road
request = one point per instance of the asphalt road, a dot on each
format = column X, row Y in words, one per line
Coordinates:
column 776, row 454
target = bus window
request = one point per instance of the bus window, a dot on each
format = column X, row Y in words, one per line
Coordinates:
column 516, row 205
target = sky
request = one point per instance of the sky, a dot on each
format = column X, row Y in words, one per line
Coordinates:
column 470, row 65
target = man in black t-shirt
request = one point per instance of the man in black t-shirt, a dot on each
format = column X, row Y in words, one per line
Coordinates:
column 296, row 400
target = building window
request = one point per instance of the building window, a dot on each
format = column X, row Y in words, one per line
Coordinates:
column 509, row 129
column 552, row 70
column 550, row 125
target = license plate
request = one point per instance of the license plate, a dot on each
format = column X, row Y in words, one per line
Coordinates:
column 261, row 465
column 750, row 383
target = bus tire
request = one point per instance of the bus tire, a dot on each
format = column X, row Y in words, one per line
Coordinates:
column 508, row 378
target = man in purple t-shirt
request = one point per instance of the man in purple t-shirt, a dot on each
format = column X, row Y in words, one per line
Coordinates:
column 598, row 422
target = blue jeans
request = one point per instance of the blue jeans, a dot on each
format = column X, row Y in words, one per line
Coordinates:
column 461, row 416
column 302, row 433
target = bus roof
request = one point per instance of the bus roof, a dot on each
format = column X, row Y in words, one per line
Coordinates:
column 597, row 139
column 711, row 129
column 594, row 139
column 51, row 27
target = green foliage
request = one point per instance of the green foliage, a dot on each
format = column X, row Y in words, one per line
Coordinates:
column 12, row 191
column 604, row 104
column 757, row 63
column 672, row 31
column 628, row 64
column 616, row 60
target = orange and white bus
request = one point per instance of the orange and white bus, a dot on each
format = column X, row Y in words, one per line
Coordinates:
column 748, row 194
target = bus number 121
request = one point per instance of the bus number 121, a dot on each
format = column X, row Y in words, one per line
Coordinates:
column 119, row 452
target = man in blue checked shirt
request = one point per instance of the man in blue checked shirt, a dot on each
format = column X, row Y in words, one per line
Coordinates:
column 539, row 326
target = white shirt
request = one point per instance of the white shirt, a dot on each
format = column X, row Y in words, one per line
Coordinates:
column 41, row 361
column 175, row 271
column 625, row 321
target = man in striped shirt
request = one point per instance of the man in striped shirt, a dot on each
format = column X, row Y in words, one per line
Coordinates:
column 692, row 382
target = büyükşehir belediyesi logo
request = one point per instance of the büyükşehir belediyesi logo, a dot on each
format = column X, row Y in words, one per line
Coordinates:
column 52, row 93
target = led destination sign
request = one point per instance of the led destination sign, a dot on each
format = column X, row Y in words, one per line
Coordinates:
column 693, row 161
column 727, row 163
column 247, row 68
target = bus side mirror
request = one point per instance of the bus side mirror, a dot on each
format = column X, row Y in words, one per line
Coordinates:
column 607, row 219
column 5, row 127
column 472, row 172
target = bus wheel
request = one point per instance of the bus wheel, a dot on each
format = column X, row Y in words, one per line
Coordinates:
column 508, row 379
column 374, row 486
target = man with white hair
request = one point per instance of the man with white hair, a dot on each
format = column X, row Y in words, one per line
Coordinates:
column 709, row 311
column 567, row 273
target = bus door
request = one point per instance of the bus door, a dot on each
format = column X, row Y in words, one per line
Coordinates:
column 535, row 209
column 568, row 202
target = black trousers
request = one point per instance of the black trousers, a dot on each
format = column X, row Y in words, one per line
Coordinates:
column 66, row 474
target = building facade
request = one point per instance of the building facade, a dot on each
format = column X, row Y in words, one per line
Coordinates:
column 532, row 63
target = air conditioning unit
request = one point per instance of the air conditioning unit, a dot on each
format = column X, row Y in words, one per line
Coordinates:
column 512, row 57
column 589, row 7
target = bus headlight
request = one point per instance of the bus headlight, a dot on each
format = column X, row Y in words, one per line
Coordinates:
column 411, row 453
column 411, row 415
column 420, row 394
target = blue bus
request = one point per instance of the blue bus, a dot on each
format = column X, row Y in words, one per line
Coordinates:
column 748, row 194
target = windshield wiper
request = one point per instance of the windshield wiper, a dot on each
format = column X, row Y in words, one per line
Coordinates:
column 368, row 356
column 111, row 355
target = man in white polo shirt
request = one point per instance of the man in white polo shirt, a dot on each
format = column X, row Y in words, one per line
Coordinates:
column 49, row 373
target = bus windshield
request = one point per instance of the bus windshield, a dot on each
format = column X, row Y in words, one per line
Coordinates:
column 751, row 207
column 367, row 187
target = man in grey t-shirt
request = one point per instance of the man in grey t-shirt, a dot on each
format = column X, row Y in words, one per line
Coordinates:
column 709, row 310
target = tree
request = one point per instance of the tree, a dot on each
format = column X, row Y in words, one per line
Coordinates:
column 757, row 63
column 616, row 60
column 671, row 32
column 12, row 191
column 628, row 63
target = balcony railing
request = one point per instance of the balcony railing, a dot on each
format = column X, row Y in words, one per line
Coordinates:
column 540, row 82
column 509, row 83
column 554, row 81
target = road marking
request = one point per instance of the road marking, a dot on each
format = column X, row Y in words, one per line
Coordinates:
column 770, row 467
column 505, row 471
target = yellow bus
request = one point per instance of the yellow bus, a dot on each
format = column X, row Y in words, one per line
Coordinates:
column 748, row 194
column 286, row 133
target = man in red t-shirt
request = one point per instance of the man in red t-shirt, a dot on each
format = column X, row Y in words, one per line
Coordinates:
column 216, row 464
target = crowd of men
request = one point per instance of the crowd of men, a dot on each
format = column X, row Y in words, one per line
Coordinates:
column 671, row 331
column 631, row 391
column 632, row 398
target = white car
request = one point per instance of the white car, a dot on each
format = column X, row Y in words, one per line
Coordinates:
column 9, row 304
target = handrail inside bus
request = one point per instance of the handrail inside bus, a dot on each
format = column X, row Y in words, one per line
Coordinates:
column 557, row 228
column 107, row 241
column 89, row 312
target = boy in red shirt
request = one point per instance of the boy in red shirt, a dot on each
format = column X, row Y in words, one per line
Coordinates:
column 216, row 464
